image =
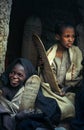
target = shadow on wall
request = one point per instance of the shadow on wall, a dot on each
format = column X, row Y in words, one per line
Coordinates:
column 48, row 11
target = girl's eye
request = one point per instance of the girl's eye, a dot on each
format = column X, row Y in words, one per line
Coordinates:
column 12, row 72
column 20, row 75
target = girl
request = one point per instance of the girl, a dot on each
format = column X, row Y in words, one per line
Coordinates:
column 19, row 76
column 22, row 104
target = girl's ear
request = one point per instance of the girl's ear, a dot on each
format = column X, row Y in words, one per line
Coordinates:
column 57, row 37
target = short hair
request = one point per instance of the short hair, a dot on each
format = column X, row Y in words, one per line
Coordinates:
column 60, row 26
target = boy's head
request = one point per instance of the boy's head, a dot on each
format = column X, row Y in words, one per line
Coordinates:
column 65, row 34
column 61, row 26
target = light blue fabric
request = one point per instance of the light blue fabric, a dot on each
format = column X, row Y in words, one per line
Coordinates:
column 41, row 129
column 62, row 67
column 57, row 128
column 60, row 128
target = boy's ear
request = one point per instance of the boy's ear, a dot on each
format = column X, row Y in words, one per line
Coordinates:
column 57, row 37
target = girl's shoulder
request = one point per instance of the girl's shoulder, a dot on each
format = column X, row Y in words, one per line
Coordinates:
column 33, row 78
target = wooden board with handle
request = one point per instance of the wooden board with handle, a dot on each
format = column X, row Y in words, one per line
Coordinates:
column 47, row 71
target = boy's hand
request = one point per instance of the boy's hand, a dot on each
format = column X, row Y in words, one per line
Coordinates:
column 40, row 62
column 0, row 92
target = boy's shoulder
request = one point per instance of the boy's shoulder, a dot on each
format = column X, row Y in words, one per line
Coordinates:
column 54, row 46
column 76, row 48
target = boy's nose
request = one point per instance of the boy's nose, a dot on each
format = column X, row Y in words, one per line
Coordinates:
column 70, row 39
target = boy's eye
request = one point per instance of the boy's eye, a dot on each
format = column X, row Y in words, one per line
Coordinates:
column 73, row 36
column 67, row 36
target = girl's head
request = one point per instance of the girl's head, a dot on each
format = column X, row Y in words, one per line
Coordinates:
column 17, row 75
column 65, row 34
column 18, row 72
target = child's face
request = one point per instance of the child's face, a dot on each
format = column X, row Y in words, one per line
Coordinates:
column 67, row 37
column 17, row 75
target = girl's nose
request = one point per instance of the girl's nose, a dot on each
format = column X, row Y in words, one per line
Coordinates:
column 15, row 76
